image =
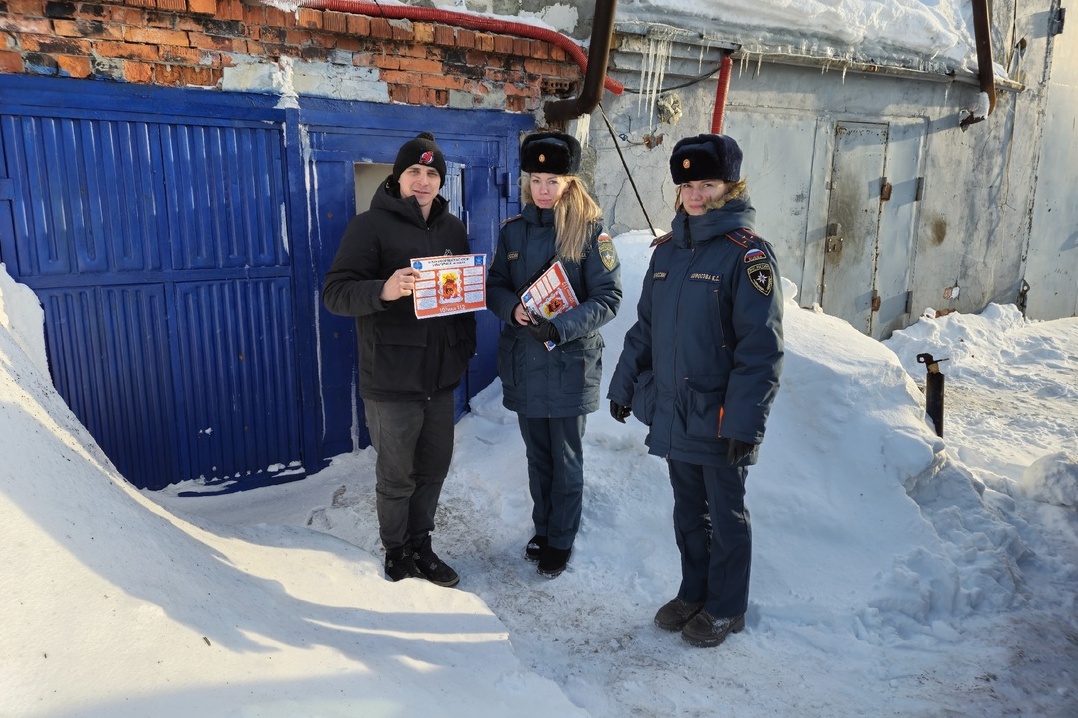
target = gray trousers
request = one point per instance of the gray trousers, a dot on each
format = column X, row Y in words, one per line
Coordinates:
column 555, row 475
column 711, row 525
column 414, row 441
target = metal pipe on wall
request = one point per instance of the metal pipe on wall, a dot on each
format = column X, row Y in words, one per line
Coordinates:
column 602, row 33
column 982, row 32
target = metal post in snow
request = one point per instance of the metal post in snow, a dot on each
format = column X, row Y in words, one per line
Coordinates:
column 933, row 390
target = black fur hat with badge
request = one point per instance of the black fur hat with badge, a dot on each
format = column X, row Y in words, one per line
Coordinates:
column 554, row 153
column 422, row 150
column 706, row 157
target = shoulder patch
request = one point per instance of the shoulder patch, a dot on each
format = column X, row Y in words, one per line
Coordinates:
column 754, row 255
column 762, row 277
column 607, row 252
column 744, row 237
column 659, row 240
column 507, row 220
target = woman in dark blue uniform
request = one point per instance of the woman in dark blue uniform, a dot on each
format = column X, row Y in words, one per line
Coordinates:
column 701, row 368
column 552, row 391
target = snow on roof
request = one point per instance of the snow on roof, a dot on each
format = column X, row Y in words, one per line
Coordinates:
column 928, row 35
column 935, row 36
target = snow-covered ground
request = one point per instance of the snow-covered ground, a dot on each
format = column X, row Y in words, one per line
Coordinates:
column 895, row 573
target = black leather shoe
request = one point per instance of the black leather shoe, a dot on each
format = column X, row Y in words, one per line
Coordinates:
column 553, row 561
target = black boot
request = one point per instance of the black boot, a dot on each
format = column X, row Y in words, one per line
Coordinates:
column 706, row 631
column 400, row 564
column 553, row 561
column 431, row 567
column 675, row 614
column 535, row 547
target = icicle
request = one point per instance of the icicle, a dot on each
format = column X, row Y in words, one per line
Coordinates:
column 653, row 69
column 582, row 130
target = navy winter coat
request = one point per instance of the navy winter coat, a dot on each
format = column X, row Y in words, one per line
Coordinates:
column 401, row 358
column 702, row 362
column 564, row 381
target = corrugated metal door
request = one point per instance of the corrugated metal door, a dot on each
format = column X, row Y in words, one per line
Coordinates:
column 162, row 245
column 853, row 219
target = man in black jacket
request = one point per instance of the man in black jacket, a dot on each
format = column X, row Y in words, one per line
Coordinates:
column 408, row 368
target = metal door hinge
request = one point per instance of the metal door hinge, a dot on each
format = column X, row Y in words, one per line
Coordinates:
column 1055, row 23
column 885, row 190
column 919, row 194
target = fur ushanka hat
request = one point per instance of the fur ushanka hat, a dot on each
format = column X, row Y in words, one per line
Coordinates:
column 555, row 153
column 419, row 151
column 704, row 157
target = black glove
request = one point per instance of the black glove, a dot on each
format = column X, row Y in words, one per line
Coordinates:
column 542, row 330
column 737, row 450
column 619, row 411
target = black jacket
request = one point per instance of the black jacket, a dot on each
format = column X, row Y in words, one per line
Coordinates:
column 401, row 358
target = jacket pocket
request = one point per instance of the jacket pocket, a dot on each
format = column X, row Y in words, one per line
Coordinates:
column 644, row 397
column 460, row 347
column 702, row 407
column 510, row 361
column 399, row 361
column 581, row 364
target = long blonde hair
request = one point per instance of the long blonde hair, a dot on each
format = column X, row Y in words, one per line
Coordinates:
column 576, row 215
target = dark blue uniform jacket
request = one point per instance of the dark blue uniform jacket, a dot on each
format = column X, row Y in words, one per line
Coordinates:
column 702, row 362
column 564, row 381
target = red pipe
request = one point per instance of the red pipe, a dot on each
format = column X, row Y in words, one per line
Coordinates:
column 473, row 22
column 720, row 95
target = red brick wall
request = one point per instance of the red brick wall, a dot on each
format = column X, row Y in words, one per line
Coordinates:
column 191, row 42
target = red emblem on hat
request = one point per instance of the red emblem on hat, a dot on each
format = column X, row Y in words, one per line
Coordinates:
column 427, row 157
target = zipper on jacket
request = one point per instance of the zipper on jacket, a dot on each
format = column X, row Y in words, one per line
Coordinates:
column 718, row 316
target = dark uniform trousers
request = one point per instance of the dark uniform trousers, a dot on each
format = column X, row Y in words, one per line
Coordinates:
column 555, row 452
column 414, row 442
column 712, row 528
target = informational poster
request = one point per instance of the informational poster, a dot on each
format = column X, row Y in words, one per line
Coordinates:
column 450, row 284
column 549, row 295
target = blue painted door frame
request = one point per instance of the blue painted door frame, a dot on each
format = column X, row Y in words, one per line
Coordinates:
column 178, row 240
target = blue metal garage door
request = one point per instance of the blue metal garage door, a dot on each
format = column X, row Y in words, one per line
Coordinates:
column 178, row 240
column 160, row 255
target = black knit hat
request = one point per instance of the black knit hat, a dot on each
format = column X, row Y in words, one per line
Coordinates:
column 704, row 157
column 420, row 151
column 555, row 153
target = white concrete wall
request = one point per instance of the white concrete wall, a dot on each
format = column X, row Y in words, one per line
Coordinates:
column 1052, row 263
